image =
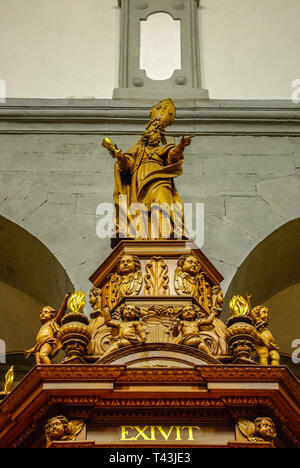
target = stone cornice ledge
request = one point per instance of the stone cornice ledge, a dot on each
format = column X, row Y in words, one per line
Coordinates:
column 105, row 116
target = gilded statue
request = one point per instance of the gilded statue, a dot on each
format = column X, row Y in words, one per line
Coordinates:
column 95, row 300
column 190, row 326
column 187, row 275
column 8, row 382
column 261, row 430
column 147, row 204
column 219, row 326
column 59, row 428
column 126, row 331
column 129, row 276
column 47, row 344
column 265, row 345
column 97, row 321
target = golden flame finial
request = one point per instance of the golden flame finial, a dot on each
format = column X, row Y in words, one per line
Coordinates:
column 76, row 302
column 9, row 380
column 239, row 306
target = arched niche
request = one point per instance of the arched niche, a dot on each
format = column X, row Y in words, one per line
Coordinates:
column 271, row 274
column 30, row 277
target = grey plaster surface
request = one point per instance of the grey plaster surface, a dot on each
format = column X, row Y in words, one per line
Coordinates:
column 52, row 182
column 243, row 164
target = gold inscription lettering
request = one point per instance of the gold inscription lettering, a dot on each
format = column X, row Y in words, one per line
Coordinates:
column 124, row 433
column 141, row 433
column 178, row 434
column 190, row 431
column 163, row 433
column 166, row 433
column 152, row 429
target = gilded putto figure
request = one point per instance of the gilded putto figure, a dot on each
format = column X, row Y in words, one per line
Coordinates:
column 265, row 345
column 129, row 276
column 60, row 429
column 47, row 343
column 127, row 330
column 261, row 430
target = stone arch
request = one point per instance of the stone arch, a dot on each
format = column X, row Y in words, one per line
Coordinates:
column 30, row 276
column 271, row 274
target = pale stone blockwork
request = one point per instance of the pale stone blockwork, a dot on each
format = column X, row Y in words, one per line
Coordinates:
column 53, row 176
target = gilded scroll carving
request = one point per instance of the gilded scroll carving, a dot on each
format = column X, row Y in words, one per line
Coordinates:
column 109, row 291
column 156, row 278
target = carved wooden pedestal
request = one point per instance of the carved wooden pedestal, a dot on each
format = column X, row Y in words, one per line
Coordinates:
column 157, row 370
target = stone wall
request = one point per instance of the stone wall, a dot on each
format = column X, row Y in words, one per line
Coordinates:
column 243, row 164
column 67, row 48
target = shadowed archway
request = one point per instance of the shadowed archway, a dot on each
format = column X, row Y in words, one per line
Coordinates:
column 271, row 274
column 30, row 276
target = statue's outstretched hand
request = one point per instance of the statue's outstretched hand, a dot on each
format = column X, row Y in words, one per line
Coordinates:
column 115, row 152
column 185, row 141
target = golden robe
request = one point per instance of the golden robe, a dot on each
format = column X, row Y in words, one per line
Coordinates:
column 145, row 176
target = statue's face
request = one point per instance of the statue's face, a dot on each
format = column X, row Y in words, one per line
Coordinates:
column 266, row 429
column 220, row 298
column 46, row 314
column 92, row 298
column 188, row 313
column 260, row 315
column 126, row 265
column 57, row 429
column 129, row 313
column 263, row 314
column 190, row 265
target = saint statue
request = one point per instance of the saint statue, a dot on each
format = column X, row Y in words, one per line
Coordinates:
column 219, row 326
column 147, row 204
